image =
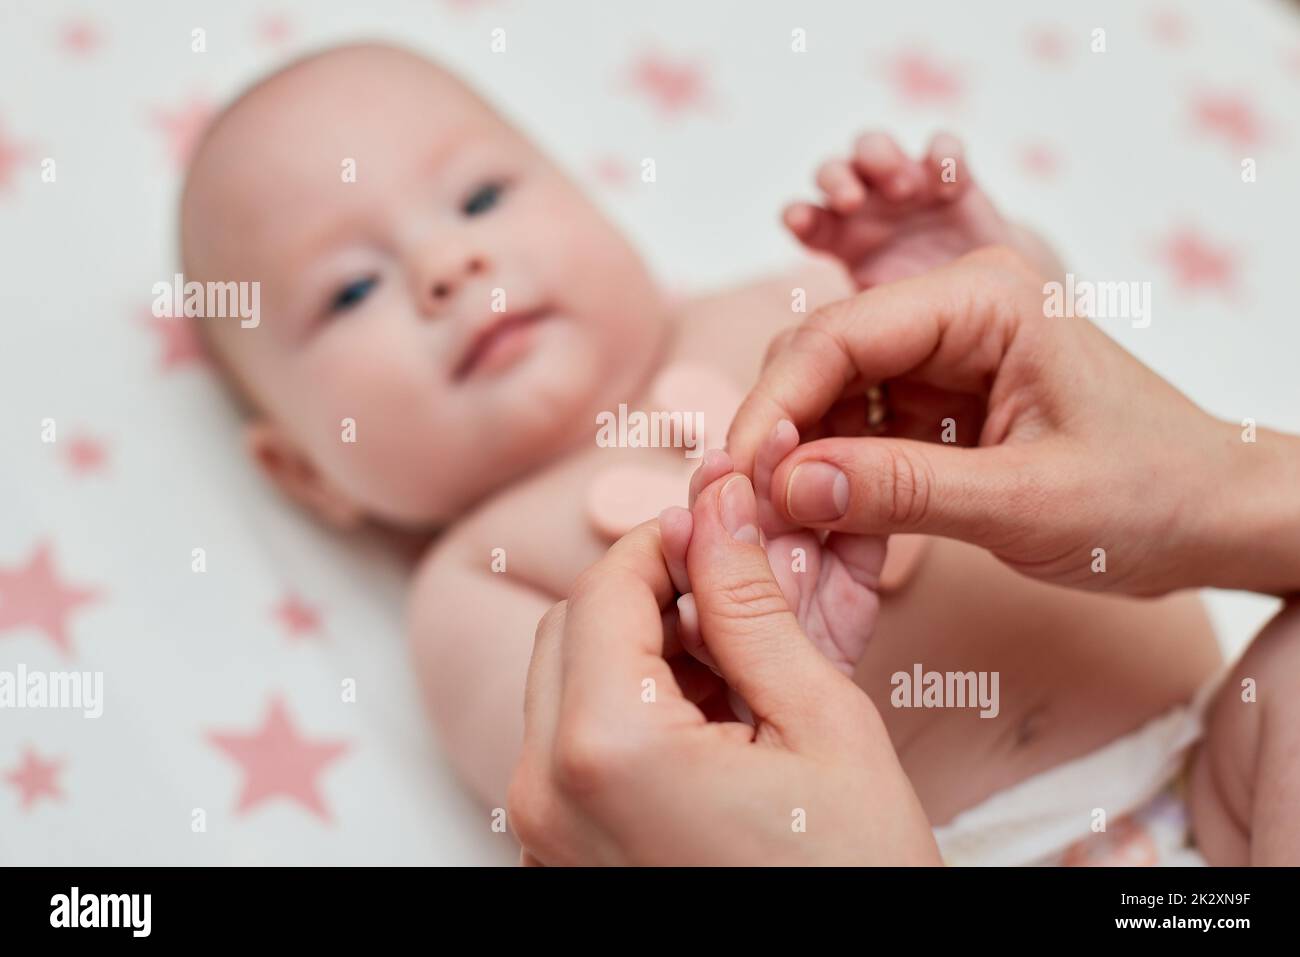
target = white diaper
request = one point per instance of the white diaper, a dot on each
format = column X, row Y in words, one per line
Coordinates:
column 1049, row 819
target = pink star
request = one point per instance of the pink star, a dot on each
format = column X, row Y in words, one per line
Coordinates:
column 183, row 126
column 278, row 762
column 33, row 596
column 1196, row 263
column 274, row 30
column 919, row 79
column 1039, row 159
column 179, row 335
column 611, row 171
column 12, row 153
column 35, row 779
column 673, row 87
column 299, row 619
column 1229, row 117
column 86, row 454
column 79, row 37
column 1169, row 27
column 1048, row 44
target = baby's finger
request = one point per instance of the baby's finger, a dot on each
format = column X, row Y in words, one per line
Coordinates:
column 884, row 166
column 818, row 229
column 945, row 163
column 841, row 186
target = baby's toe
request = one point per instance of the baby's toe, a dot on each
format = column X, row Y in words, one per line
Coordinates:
column 715, row 464
column 861, row 556
column 780, row 442
column 688, row 631
column 675, row 525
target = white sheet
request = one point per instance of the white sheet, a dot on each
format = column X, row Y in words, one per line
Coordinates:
column 185, row 655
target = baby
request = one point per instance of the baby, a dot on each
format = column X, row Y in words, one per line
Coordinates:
column 446, row 320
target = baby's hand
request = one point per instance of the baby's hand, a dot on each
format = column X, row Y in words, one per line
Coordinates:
column 831, row 586
column 887, row 216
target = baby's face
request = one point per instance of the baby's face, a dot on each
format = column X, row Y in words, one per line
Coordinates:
column 457, row 298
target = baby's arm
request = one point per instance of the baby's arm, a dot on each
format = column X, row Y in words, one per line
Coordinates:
column 471, row 631
column 1245, row 789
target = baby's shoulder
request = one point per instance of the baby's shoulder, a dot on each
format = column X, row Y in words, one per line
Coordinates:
column 731, row 328
column 533, row 531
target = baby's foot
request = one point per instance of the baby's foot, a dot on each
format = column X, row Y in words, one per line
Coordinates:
column 832, row 582
column 831, row 586
column 886, row 216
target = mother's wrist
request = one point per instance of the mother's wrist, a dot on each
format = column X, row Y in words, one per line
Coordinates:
column 1251, row 536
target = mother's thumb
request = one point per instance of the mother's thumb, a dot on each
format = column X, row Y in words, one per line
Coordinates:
column 877, row 486
column 746, row 624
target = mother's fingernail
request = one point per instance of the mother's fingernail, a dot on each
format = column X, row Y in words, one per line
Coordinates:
column 739, row 510
column 817, row 492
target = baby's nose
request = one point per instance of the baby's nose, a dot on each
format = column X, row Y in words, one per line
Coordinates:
column 443, row 285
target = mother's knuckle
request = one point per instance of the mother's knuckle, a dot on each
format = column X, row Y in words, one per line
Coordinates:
column 910, row 482
column 525, row 806
column 586, row 758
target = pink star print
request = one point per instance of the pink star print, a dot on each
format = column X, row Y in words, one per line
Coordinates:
column 1196, row 263
column 35, row 779
column 1048, row 45
column 179, row 337
column 85, row 454
column 183, row 126
column 12, row 153
column 274, row 30
column 32, row 596
column 1229, row 117
column 299, row 619
column 278, row 762
column 673, row 87
column 1039, row 159
column 611, row 171
column 919, row 79
column 1169, row 27
column 79, row 37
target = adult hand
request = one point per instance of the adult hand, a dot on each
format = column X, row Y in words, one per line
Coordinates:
column 620, row 764
column 1067, row 455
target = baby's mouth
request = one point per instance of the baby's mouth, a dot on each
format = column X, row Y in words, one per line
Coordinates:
column 500, row 343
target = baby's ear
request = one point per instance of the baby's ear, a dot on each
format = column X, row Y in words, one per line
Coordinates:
column 280, row 459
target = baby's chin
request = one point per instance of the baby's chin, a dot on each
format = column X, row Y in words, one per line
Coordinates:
column 547, row 401
column 520, row 414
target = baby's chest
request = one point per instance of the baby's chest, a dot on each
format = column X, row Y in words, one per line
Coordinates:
column 637, row 462
column 641, row 452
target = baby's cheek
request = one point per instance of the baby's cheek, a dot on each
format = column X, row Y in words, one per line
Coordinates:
column 381, row 432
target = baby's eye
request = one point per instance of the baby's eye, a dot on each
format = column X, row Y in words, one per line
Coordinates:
column 353, row 293
column 483, row 199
